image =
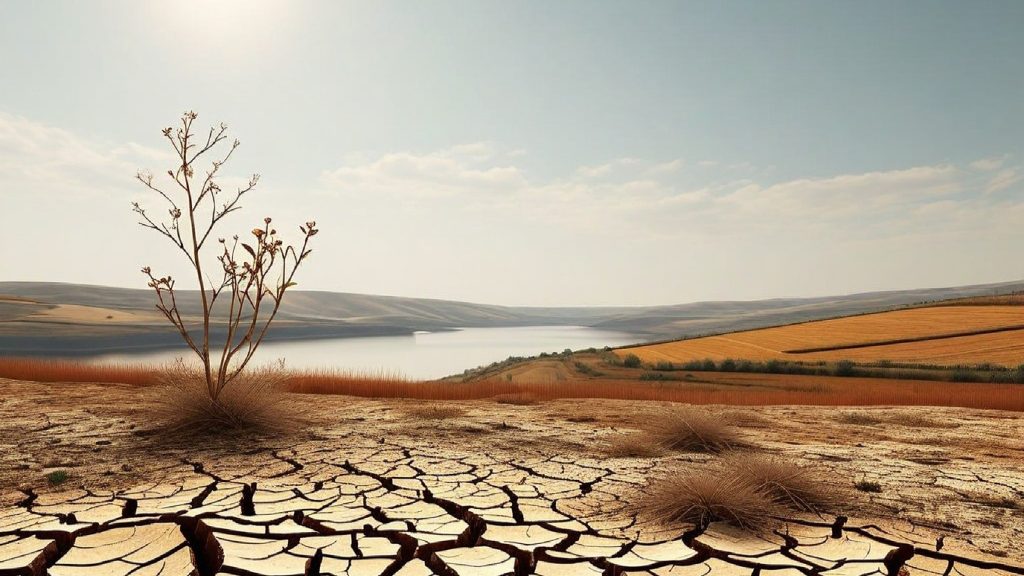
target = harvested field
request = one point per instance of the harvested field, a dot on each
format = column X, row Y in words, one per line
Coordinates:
column 943, row 335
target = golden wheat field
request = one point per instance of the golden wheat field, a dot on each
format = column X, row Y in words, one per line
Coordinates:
column 944, row 335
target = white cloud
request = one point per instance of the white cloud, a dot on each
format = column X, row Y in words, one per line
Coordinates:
column 1003, row 180
column 847, row 196
column 445, row 173
column 434, row 215
column 36, row 158
column 989, row 164
column 630, row 196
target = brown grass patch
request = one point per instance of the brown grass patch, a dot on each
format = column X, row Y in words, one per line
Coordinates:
column 51, row 370
column 691, row 430
column 907, row 420
column 434, row 412
column 718, row 388
column 519, row 399
column 786, row 483
column 748, row 491
column 746, row 419
column 250, row 402
column 859, row 419
column 920, row 421
column 633, row 446
column 699, row 497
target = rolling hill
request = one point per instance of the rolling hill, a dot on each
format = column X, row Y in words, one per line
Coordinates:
column 60, row 318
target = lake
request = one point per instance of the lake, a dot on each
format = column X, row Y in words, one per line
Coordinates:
column 423, row 355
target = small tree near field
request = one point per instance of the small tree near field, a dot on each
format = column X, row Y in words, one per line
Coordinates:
column 251, row 275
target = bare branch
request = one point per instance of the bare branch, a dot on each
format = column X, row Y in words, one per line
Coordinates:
column 254, row 279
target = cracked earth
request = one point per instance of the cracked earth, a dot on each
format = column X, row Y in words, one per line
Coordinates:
column 366, row 487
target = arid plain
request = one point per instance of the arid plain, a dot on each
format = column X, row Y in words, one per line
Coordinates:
column 546, row 465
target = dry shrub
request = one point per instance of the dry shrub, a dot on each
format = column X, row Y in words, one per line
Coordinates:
column 749, row 491
column 691, row 430
column 700, row 497
column 785, row 483
column 633, row 446
column 434, row 412
column 519, row 399
column 252, row 401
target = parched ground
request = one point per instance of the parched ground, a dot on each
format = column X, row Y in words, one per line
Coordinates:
column 366, row 487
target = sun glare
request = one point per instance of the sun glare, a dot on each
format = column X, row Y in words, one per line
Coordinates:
column 228, row 27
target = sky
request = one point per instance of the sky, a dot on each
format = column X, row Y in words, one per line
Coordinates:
column 532, row 152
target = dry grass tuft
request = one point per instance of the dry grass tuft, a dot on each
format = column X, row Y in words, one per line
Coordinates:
column 633, row 446
column 859, row 419
column 920, row 421
column 868, row 486
column 519, row 399
column 897, row 419
column 746, row 419
column 700, row 497
column 690, row 430
column 748, row 491
column 434, row 412
column 253, row 401
column 785, row 483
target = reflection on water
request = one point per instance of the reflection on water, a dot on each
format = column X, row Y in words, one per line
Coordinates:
column 422, row 355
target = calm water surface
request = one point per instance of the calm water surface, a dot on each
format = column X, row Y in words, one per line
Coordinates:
column 422, row 355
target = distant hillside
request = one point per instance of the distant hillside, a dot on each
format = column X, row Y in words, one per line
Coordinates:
column 700, row 318
column 58, row 318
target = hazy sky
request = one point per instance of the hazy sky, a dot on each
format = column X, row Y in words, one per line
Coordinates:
column 534, row 152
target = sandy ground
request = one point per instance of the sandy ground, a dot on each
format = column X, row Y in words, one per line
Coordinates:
column 364, row 488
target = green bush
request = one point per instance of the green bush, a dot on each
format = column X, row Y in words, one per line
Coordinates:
column 631, row 361
column 727, row 365
column 583, row 368
column 57, row 477
column 664, row 366
column 960, row 374
column 708, row 365
column 844, row 368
